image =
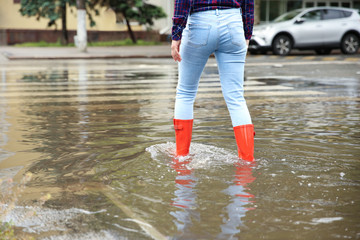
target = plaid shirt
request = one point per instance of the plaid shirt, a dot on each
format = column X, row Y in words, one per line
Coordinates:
column 183, row 8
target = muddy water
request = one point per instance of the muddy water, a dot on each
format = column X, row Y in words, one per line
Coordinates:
column 86, row 152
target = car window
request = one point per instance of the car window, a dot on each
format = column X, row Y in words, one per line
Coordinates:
column 347, row 13
column 288, row 16
column 312, row 16
column 332, row 14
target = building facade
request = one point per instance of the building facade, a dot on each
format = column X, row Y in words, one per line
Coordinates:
column 15, row 28
column 12, row 24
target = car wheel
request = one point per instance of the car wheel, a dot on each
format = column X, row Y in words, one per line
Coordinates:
column 323, row 51
column 282, row 45
column 350, row 44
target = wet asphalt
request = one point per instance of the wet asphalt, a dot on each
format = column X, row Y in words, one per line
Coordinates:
column 87, row 144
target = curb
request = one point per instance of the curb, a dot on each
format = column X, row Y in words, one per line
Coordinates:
column 70, row 53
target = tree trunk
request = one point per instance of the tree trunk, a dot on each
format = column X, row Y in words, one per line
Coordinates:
column 257, row 12
column 65, row 37
column 81, row 38
column 131, row 33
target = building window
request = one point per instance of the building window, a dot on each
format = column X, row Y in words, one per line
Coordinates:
column 292, row 5
column 332, row 3
column 271, row 9
column 17, row 1
column 357, row 4
column 309, row 4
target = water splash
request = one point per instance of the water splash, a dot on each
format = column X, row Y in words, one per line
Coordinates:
column 202, row 156
column 104, row 235
column 38, row 219
column 326, row 220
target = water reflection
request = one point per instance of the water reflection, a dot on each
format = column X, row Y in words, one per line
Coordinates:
column 185, row 193
column 186, row 199
column 240, row 198
column 4, row 125
column 84, row 114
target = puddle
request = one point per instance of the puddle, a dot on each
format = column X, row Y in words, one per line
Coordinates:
column 98, row 137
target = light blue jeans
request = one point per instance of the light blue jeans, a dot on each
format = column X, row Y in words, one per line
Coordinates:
column 219, row 32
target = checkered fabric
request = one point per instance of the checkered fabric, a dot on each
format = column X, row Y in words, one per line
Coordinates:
column 185, row 7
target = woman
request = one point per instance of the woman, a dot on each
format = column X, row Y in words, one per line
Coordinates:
column 201, row 28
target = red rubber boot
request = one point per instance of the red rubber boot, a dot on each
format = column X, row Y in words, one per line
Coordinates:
column 244, row 135
column 183, row 131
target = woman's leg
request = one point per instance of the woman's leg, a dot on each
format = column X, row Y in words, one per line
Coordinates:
column 231, row 71
column 231, row 60
column 195, row 50
column 190, row 69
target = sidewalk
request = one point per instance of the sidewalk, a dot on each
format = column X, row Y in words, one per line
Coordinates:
column 10, row 53
column 48, row 53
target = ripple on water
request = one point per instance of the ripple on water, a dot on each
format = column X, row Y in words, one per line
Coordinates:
column 202, row 156
column 39, row 219
column 104, row 235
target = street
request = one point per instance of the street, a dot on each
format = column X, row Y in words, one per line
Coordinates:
column 87, row 150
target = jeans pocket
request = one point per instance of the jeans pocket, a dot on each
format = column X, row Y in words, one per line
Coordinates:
column 199, row 34
column 237, row 33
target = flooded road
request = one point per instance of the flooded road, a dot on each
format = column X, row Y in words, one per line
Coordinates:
column 87, row 152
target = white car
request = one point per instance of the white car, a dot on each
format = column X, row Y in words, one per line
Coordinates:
column 319, row 28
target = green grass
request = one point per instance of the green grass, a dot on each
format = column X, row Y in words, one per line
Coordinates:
column 42, row 44
column 126, row 42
